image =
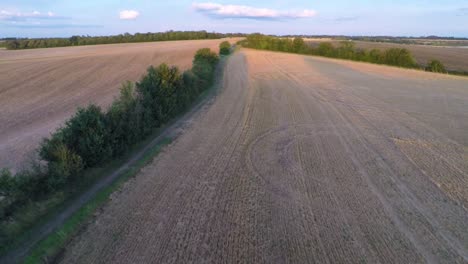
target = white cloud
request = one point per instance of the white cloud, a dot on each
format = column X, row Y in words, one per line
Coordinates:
column 240, row 11
column 20, row 16
column 129, row 14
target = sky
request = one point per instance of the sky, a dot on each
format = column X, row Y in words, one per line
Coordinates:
column 64, row 18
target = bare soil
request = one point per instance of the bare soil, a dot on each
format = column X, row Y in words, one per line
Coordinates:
column 301, row 160
column 454, row 58
column 41, row 88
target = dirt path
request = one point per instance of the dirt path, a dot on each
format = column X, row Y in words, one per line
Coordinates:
column 301, row 160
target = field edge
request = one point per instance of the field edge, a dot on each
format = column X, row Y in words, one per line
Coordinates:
column 49, row 247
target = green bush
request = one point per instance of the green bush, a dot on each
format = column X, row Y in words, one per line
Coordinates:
column 399, row 57
column 86, row 135
column 157, row 92
column 122, row 130
column 436, row 66
column 204, row 64
column 326, row 49
column 62, row 162
column 375, row 56
column 298, row 45
column 7, row 183
column 225, row 48
column 22, row 186
column 347, row 50
column 65, row 164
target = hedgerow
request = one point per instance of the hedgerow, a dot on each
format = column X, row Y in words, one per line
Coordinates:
column 93, row 137
column 345, row 50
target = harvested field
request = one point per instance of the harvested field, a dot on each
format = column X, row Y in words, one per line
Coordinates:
column 454, row 58
column 301, row 160
column 41, row 88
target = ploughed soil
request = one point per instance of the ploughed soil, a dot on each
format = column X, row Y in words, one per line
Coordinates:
column 301, row 160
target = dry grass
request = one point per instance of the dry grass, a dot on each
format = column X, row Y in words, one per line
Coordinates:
column 43, row 87
column 301, row 159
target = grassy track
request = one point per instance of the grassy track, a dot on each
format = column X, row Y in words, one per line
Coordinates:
column 49, row 247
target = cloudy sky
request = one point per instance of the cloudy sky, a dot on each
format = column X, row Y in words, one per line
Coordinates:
column 63, row 18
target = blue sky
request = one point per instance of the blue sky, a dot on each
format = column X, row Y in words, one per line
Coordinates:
column 54, row 18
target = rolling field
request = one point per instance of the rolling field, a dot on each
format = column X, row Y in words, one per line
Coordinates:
column 301, row 160
column 454, row 58
column 41, row 88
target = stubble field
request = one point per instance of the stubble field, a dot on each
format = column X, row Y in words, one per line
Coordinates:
column 301, row 160
column 41, row 88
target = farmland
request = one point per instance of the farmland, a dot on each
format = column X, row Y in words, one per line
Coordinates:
column 301, row 159
column 42, row 88
column 453, row 57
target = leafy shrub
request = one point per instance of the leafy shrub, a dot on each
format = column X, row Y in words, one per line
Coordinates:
column 298, row 45
column 225, row 48
column 7, row 183
column 157, row 93
column 206, row 55
column 123, row 128
column 436, row 66
column 346, row 50
column 326, row 49
column 204, row 64
column 65, row 164
column 399, row 57
column 375, row 56
column 190, row 81
column 22, row 186
column 84, row 134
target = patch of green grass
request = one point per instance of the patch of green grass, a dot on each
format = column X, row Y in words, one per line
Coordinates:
column 55, row 242
column 28, row 214
column 20, row 226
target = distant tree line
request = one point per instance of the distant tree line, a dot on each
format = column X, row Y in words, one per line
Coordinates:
column 389, row 39
column 14, row 44
column 94, row 136
column 346, row 50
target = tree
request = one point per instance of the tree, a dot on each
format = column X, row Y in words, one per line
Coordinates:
column 121, row 129
column 64, row 165
column 204, row 64
column 298, row 45
column 7, row 183
column 157, row 93
column 346, row 50
column 436, row 66
column 375, row 56
column 225, row 48
column 121, row 38
column 86, row 135
column 74, row 40
column 326, row 49
column 399, row 57
column 12, row 44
